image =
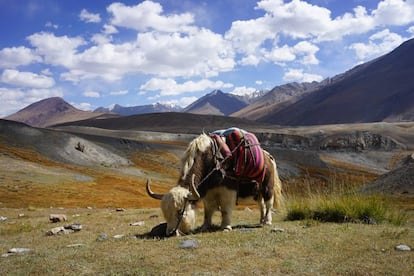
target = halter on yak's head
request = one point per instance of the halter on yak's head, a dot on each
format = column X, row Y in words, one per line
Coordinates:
column 176, row 204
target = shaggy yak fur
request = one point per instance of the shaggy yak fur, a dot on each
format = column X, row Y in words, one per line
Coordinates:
column 200, row 179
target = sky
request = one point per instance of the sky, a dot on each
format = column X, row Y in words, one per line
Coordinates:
column 100, row 53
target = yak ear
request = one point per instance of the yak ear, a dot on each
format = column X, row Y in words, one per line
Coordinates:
column 194, row 195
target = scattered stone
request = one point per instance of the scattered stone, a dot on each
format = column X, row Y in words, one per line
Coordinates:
column 60, row 230
column 403, row 247
column 89, row 208
column 119, row 236
column 74, row 226
column 3, row 218
column 64, row 230
column 21, row 215
column 245, row 229
column 19, row 250
column 15, row 251
column 277, row 230
column 248, row 209
column 102, row 237
column 120, row 209
column 75, row 245
column 57, row 218
column 138, row 223
column 153, row 216
column 188, row 244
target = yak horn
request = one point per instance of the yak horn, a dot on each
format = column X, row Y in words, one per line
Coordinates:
column 193, row 189
column 151, row 193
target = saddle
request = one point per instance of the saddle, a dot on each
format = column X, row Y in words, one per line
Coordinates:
column 243, row 149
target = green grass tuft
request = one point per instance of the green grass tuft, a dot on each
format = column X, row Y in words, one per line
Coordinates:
column 343, row 206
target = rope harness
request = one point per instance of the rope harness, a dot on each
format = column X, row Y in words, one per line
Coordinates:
column 219, row 167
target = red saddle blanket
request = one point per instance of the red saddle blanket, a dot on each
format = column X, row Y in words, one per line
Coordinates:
column 246, row 154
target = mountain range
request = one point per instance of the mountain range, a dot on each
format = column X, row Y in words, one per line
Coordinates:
column 379, row 90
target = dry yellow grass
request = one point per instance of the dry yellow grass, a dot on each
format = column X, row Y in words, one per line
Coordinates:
column 302, row 249
column 106, row 189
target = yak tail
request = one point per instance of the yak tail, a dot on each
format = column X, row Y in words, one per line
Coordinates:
column 279, row 200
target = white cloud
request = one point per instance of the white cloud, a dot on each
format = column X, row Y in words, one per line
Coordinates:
column 202, row 53
column 56, row 50
column 394, row 12
column 243, row 90
column 411, row 30
column 304, row 49
column 186, row 101
column 91, row 94
column 168, row 87
column 26, row 79
column 47, row 72
column 17, row 56
column 83, row 106
column 109, row 29
column 12, row 100
column 51, row 25
column 89, row 17
column 379, row 43
column 299, row 76
column 147, row 16
column 312, row 24
column 117, row 93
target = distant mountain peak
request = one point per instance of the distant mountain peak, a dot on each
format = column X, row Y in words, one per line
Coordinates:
column 50, row 111
column 216, row 103
column 140, row 109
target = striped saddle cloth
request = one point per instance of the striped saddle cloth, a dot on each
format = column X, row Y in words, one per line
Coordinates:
column 247, row 155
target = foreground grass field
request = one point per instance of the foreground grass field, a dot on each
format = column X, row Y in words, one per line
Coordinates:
column 302, row 247
column 299, row 248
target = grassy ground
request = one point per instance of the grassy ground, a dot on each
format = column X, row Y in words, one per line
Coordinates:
column 303, row 248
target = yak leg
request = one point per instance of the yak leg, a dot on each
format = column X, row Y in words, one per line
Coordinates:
column 209, row 208
column 227, row 202
column 266, row 210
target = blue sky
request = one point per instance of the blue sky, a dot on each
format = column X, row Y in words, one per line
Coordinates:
column 100, row 53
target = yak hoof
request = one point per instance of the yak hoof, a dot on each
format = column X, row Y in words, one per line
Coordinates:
column 227, row 228
column 205, row 227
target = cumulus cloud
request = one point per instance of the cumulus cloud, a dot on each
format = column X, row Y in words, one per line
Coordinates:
column 109, row 29
column 118, row 93
column 299, row 76
column 83, row 106
column 14, row 99
column 91, row 94
column 243, row 90
column 89, row 17
column 300, row 20
column 168, row 87
column 202, row 53
column 56, row 50
column 17, row 56
column 148, row 16
column 379, row 43
column 26, row 79
column 51, row 25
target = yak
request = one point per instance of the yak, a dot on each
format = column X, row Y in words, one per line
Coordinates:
column 219, row 168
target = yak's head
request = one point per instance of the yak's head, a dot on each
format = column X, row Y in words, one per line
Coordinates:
column 177, row 208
